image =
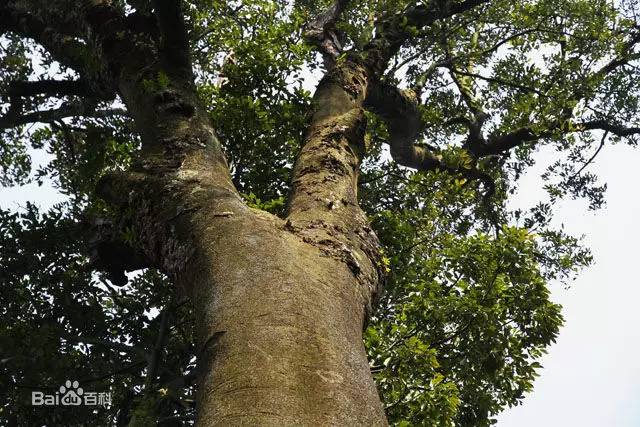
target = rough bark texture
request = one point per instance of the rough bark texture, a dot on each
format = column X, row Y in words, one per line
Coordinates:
column 280, row 303
column 280, row 328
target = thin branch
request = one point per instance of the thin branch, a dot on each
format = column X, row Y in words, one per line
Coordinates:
column 465, row 87
column 109, row 344
column 118, row 371
column 454, row 335
column 588, row 162
column 157, row 350
column 500, row 81
column 394, row 31
column 375, row 178
column 402, row 339
column 71, row 109
column 621, row 60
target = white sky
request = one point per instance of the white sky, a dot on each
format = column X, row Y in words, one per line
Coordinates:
column 591, row 376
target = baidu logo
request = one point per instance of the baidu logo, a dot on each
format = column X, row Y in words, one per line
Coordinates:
column 70, row 394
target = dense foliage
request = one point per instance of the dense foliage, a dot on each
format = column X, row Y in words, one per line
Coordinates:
column 466, row 313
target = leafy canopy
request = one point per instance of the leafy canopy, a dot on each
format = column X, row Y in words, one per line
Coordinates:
column 466, row 315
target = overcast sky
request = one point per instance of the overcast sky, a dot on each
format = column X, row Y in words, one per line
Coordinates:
column 591, row 376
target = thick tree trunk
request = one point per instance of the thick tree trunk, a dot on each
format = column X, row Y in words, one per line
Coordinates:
column 280, row 304
column 280, row 328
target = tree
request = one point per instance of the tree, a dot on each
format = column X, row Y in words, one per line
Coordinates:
column 269, row 227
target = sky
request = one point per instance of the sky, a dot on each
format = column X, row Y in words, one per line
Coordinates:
column 591, row 376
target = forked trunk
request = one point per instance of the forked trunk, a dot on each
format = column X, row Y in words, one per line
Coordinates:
column 279, row 329
column 280, row 304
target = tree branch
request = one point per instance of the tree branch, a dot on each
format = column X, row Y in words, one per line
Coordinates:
column 52, row 88
column 157, row 350
column 66, row 37
column 66, row 50
column 498, row 144
column 465, row 87
column 393, row 32
column 399, row 110
column 109, row 344
column 500, row 81
column 614, row 128
column 174, row 44
column 71, row 109
column 321, row 32
column 624, row 59
column 592, row 158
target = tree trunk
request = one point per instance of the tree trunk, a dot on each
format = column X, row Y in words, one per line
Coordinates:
column 279, row 327
column 280, row 304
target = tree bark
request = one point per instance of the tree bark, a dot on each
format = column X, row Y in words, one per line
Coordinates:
column 280, row 303
column 279, row 327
